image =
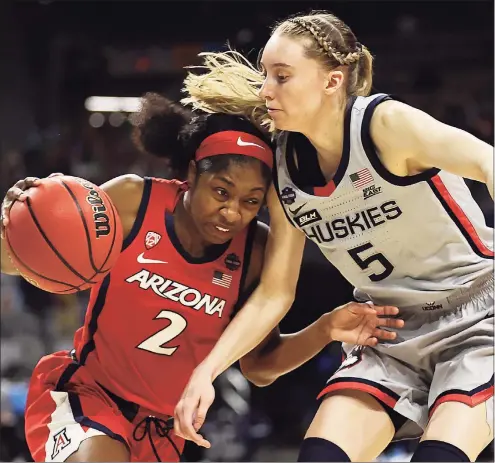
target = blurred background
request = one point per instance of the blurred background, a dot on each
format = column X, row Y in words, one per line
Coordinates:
column 56, row 55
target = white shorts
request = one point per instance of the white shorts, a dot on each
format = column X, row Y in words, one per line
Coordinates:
column 444, row 353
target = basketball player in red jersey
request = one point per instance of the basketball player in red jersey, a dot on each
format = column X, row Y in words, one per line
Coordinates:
column 190, row 250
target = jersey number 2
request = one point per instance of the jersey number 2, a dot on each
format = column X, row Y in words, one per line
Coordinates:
column 365, row 263
column 154, row 343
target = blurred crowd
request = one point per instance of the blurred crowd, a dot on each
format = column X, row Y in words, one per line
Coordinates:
column 446, row 73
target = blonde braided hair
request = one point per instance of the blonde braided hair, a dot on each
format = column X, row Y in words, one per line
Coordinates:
column 229, row 83
column 320, row 37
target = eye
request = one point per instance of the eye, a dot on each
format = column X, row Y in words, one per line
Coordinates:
column 221, row 192
column 282, row 79
column 253, row 202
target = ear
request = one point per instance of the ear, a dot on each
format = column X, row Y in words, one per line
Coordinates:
column 191, row 173
column 334, row 81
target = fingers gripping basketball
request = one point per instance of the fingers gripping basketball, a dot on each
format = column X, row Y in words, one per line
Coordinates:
column 66, row 236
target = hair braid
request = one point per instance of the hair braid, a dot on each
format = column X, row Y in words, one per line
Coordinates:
column 320, row 37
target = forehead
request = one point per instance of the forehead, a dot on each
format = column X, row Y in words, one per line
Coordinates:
column 283, row 49
column 241, row 175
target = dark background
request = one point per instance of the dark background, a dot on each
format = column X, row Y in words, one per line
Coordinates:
column 437, row 56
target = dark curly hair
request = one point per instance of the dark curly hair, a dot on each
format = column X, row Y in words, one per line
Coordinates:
column 169, row 130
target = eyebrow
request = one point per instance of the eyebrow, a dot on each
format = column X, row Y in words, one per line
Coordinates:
column 229, row 182
column 278, row 65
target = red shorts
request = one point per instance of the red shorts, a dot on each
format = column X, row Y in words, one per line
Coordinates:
column 65, row 406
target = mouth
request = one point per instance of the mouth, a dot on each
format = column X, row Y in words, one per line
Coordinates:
column 222, row 229
column 272, row 110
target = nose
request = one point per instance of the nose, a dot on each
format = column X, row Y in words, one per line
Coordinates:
column 266, row 91
column 231, row 213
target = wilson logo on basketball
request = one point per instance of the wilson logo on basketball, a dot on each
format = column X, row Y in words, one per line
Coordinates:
column 100, row 218
column 152, row 238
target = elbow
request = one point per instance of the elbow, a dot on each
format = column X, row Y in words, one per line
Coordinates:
column 258, row 376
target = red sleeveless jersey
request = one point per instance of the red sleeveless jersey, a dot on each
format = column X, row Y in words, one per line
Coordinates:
column 160, row 311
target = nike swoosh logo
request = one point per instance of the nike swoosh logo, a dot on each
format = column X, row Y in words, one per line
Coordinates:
column 297, row 209
column 142, row 260
column 240, row 142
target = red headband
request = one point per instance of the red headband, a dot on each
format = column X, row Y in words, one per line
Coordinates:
column 234, row 142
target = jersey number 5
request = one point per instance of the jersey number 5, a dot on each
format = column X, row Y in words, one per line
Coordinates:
column 365, row 263
column 155, row 343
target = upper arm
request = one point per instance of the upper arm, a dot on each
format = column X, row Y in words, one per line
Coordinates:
column 423, row 142
column 283, row 252
column 125, row 192
column 277, row 261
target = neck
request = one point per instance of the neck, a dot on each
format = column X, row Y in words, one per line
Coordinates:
column 326, row 134
column 186, row 230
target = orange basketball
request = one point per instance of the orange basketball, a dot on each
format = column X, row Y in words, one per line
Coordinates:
column 66, row 236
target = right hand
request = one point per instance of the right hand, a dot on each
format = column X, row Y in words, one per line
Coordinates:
column 190, row 412
column 17, row 193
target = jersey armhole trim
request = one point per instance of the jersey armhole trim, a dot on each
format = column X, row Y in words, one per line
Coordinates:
column 140, row 214
column 372, row 155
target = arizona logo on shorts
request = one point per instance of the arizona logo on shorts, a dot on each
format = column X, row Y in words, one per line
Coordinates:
column 61, row 441
column 152, row 239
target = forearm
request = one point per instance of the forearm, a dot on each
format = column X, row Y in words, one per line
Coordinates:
column 292, row 351
column 250, row 326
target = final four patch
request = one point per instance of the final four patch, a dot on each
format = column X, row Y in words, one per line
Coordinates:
column 288, row 195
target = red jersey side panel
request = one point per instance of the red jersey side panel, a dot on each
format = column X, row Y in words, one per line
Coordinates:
column 160, row 312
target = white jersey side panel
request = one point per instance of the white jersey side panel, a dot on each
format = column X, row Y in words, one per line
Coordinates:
column 399, row 240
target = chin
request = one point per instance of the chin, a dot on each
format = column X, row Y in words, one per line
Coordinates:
column 213, row 238
column 282, row 123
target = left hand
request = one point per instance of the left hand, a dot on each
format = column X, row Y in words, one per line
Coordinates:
column 358, row 323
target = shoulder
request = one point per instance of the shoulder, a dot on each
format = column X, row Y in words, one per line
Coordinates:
column 128, row 184
column 399, row 128
column 394, row 119
column 126, row 192
column 388, row 113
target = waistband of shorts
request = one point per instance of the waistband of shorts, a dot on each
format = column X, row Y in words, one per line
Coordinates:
column 479, row 289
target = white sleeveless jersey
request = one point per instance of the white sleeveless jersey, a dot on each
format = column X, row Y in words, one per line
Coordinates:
column 398, row 240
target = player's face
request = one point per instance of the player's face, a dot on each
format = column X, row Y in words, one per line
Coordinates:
column 294, row 87
column 223, row 203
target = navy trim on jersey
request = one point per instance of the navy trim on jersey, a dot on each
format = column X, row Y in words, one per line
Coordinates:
column 83, row 420
column 93, row 323
column 66, row 376
column 369, row 148
column 457, row 222
column 309, row 175
column 212, row 252
column 128, row 409
column 140, row 214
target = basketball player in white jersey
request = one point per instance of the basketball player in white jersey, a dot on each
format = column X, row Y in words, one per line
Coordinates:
column 378, row 186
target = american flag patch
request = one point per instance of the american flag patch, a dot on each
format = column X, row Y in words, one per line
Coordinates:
column 360, row 178
column 221, row 279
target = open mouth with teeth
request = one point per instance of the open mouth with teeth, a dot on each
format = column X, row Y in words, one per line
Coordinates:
column 222, row 229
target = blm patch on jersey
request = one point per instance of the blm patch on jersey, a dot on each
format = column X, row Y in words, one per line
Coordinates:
column 307, row 218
